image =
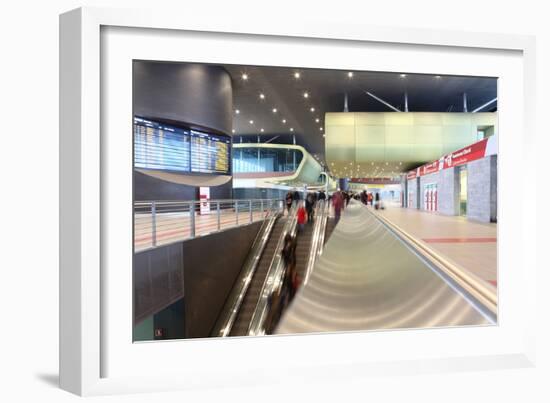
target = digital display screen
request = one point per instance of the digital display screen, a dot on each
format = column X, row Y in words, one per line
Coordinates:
column 171, row 148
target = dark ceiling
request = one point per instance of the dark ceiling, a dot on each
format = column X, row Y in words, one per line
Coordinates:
column 326, row 91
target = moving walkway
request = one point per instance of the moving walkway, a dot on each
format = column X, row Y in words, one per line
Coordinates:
column 369, row 278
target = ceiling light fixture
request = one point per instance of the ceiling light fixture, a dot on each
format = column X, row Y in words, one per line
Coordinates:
column 291, row 129
column 306, row 95
column 296, row 75
column 274, row 110
column 244, row 76
column 237, row 111
column 284, row 120
column 251, row 122
column 262, row 129
column 233, row 131
column 312, row 109
column 317, row 120
column 350, row 74
column 262, row 96
column 321, row 128
column 402, row 75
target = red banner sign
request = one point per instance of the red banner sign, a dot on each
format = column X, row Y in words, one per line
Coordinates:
column 459, row 157
column 383, row 181
column 466, row 154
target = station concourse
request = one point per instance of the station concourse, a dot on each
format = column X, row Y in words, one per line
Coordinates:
column 283, row 200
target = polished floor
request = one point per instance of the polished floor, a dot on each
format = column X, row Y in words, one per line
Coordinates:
column 470, row 245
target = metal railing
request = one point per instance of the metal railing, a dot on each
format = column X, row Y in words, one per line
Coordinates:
column 162, row 222
column 318, row 236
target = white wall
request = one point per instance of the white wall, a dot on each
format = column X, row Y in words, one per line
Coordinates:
column 29, row 87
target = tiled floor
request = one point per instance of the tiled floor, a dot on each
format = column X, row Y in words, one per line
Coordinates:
column 470, row 244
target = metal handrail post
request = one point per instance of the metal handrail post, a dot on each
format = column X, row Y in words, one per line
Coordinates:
column 192, row 218
column 154, row 223
column 236, row 212
column 250, row 209
column 262, row 207
column 218, row 213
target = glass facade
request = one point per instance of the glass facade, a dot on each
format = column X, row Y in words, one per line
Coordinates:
column 256, row 159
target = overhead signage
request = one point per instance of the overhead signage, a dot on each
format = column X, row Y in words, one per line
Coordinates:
column 467, row 154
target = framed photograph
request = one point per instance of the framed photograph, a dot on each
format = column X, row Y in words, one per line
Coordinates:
column 243, row 204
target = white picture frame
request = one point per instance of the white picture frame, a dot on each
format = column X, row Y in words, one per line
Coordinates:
column 94, row 361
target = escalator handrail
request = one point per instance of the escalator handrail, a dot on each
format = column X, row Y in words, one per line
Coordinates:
column 318, row 237
column 274, row 278
column 228, row 315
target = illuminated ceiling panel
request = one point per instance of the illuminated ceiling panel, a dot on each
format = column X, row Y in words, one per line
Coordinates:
column 385, row 144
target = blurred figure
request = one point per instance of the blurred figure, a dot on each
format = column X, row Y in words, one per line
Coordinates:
column 347, row 197
column 369, row 198
column 310, row 204
column 290, row 282
column 377, row 201
column 282, row 296
column 288, row 201
column 296, row 195
column 322, row 195
column 301, row 218
column 337, row 203
column 363, row 197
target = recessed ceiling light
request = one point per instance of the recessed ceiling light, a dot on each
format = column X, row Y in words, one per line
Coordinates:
column 291, row 129
column 297, row 74
column 274, row 110
column 438, row 77
column 350, row 74
column 244, row 76
column 237, row 111
column 402, row 75
column 284, row 120
column 262, row 96
column 312, row 109
column 321, row 128
column 317, row 120
column 262, row 130
column 306, row 95
column 233, row 131
column 251, row 122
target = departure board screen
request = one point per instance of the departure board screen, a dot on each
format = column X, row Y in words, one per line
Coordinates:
column 170, row 148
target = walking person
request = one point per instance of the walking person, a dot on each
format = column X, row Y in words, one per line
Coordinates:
column 301, row 218
column 337, row 203
column 288, row 201
column 310, row 204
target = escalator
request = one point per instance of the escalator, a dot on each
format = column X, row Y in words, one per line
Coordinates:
column 249, row 306
column 242, row 321
column 303, row 246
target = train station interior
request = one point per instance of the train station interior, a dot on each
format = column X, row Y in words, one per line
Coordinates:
column 282, row 200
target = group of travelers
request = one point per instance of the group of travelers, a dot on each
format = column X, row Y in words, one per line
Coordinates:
column 371, row 198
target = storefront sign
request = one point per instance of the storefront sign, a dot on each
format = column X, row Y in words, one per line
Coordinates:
column 464, row 155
